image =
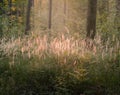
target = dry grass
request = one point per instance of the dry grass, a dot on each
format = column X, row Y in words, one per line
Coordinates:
column 59, row 46
column 77, row 64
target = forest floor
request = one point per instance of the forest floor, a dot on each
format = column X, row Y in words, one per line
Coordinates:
column 61, row 66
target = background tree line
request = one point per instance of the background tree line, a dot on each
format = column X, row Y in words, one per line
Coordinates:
column 95, row 14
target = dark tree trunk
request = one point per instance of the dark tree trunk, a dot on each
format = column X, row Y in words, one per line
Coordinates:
column 91, row 19
column 1, row 32
column 50, row 14
column 1, row 7
column 1, row 13
column 10, row 5
column 27, row 28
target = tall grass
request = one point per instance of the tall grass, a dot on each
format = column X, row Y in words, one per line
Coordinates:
column 60, row 46
column 39, row 65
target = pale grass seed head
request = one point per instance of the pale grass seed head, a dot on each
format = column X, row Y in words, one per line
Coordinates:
column 59, row 46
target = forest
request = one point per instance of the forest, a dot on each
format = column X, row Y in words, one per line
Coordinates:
column 59, row 47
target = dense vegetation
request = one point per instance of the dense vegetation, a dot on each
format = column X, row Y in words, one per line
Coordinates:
column 65, row 47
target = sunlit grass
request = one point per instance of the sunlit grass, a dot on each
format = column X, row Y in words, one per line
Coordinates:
column 35, row 45
column 69, row 65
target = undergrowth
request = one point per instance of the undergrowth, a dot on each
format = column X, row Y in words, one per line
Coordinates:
column 60, row 66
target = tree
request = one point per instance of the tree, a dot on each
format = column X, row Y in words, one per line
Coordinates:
column 50, row 14
column 1, row 7
column 1, row 32
column 91, row 19
column 10, row 5
column 27, row 28
column 1, row 12
column 117, row 18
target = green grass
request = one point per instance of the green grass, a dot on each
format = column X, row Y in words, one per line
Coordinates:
column 31, row 76
column 62, row 66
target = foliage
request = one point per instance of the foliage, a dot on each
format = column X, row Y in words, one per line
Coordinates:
column 59, row 61
column 12, row 18
column 65, row 69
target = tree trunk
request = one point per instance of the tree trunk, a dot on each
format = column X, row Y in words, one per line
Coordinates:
column 91, row 19
column 2, row 11
column 50, row 14
column 27, row 28
column 10, row 5
column 1, row 31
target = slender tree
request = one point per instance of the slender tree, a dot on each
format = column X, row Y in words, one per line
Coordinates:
column 91, row 19
column 1, row 12
column 50, row 14
column 27, row 28
column 1, row 7
column 10, row 5
column 1, row 30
